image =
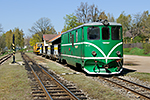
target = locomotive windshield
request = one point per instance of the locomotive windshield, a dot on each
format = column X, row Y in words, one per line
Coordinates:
column 116, row 33
column 93, row 33
column 105, row 33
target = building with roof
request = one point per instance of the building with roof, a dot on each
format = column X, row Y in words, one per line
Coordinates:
column 47, row 37
column 55, row 40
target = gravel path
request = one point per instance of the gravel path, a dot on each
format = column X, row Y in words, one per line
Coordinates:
column 138, row 63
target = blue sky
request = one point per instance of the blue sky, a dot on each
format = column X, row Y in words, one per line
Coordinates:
column 24, row 13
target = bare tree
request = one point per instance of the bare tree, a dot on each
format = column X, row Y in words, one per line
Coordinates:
column 110, row 17
column 42, row 26
column 140, row 25
column 82, row 13
column 93, row 13
column 26, row 41
column 1, row 29
column 86, row 13
column 136, row 25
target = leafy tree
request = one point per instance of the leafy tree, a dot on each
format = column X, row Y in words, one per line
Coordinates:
column 146, row 23
column 42, row 26
column 125, row 21
column 102, row 16
column 51, row 30
column 70, row 22
column 137, row 39
column 2, row 39
column 2, row 42
column 35, row 38
column 19, row 40
column 8, row 39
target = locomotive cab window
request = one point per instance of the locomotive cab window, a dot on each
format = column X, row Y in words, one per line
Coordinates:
column 70, row 37
column 76, row 36
column 105, row 33
column 93, row 33
column 116, row 33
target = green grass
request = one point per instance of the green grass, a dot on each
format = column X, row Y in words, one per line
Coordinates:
column 140, row 76
column 134, row 51
column 4, row 54
column 14, row 83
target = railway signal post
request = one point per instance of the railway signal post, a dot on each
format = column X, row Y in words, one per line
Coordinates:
column 13, row 47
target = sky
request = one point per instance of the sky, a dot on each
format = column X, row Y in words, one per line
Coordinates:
column 23, row 14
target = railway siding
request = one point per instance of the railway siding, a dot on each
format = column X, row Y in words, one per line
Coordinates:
column 140, row 91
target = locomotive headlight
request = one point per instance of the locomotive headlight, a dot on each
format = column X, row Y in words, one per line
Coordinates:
column 118, row 53
column 94, row 53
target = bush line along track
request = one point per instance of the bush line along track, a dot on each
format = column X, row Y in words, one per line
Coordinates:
column 3, row 59
column 128, row 85
column 43, row 85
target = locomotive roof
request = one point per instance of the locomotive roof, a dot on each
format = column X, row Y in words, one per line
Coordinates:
column 93, row 23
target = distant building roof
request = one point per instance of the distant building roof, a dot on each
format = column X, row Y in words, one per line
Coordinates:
column 55, row 38
column 48, row 37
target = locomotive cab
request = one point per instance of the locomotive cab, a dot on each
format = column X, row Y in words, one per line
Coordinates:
column 104, row 46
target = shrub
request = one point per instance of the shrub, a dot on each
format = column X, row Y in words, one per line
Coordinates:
column 146, row 48
column 136, row 51
column 137, row 39
column 127, row 50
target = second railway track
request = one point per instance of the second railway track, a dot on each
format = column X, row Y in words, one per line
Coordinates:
column 48, row 87
column 140, row 90
column 3, row 59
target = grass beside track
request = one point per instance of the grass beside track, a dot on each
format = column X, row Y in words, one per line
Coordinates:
column 140, row 75
column 14, row 83
column 94, row 89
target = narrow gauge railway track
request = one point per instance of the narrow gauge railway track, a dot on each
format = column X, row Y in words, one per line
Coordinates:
column 3, row 59
column 137, row 89
column 50, row 88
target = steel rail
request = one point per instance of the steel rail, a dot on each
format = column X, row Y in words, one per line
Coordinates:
column 5, row 58
column 61, row 85
column 40, row 82
column 143, row 96
column 132, row 83
column 56, row 81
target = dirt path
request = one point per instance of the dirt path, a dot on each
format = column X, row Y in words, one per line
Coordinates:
column 138, row 63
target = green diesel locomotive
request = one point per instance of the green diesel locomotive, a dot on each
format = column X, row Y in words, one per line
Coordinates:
column 95, row 47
